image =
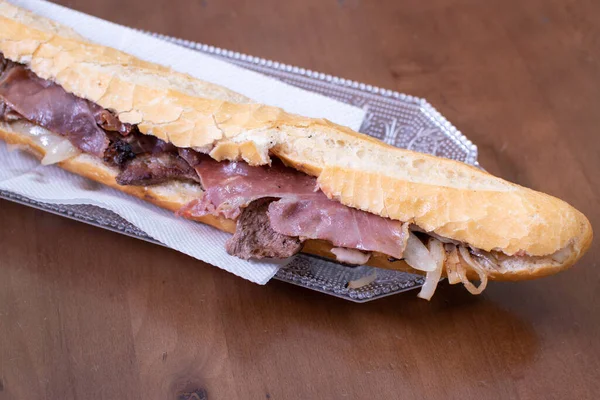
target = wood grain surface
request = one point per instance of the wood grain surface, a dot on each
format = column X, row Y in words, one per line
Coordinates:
column 90, row 314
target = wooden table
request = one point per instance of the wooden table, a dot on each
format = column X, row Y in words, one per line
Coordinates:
column 132, row 320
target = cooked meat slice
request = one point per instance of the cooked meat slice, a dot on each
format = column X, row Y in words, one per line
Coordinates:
column 7, row 114
column 192, row 157
column 50, row 106
column 231, row 186
column 109, row 122
column 318, row 217
column 141, row 143
column 254, row 237
column 124, row 148
column 3, row 63
column 151, row 169
column 118, row 152
column 24, row 94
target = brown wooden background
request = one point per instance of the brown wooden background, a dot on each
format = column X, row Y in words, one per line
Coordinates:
column 89, row 314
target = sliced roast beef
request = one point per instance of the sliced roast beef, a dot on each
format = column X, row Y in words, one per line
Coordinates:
column 254, row 237
column 151, row 169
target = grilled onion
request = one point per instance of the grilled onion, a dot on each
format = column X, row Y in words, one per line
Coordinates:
column 417, row 256
column 59, row 151
column 452, row 263
column 56, row 147
column 476, row 267
column 350, row 256
column 436, row 249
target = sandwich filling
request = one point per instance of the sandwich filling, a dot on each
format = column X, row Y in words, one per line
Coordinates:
column 276, row 208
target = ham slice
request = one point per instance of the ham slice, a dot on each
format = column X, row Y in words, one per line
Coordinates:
column 325, row 219
column 300, row 209
column 50, row 106
column 231, row 186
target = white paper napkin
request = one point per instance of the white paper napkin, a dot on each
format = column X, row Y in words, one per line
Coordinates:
column 22, row 174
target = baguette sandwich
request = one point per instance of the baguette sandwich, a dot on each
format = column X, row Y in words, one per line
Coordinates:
column 279, row 183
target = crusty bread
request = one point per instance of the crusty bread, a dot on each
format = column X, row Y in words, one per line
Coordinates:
column 446, row 197
column 173, row 196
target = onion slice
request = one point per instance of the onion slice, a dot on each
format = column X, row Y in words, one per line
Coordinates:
column 417, row 256
column 436, row 249
column 350, row 256
column 476, row 267
column 56, row 147
column 452, row 263
column 59, row 151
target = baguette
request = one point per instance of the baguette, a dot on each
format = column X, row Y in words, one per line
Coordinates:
column 530, row 233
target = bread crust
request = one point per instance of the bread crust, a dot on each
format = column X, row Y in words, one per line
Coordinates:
column 446, row 197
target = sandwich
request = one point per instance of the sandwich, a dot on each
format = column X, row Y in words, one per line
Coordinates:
column 278, row 182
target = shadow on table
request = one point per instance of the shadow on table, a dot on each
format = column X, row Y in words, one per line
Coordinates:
column 455, row 340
